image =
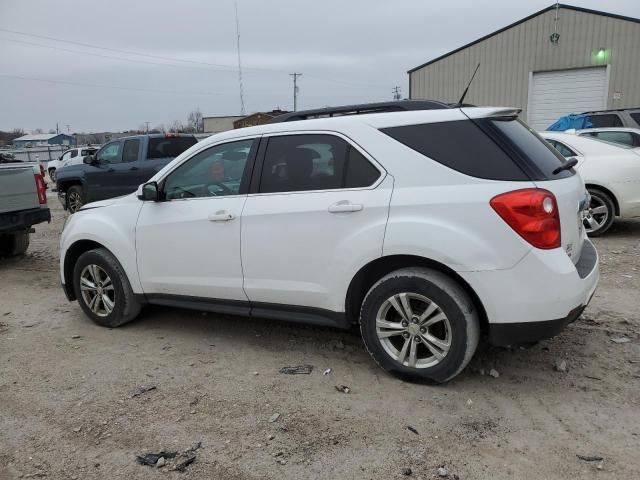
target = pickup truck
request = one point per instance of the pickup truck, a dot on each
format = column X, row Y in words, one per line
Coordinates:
column 23, row 204
column 118, row 168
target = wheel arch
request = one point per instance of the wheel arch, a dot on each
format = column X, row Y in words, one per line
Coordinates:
column 70, row 259
column 369, row 274
column 616, row 205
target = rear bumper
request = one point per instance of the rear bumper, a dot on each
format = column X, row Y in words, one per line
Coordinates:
column 22, row 220
column 538, row 297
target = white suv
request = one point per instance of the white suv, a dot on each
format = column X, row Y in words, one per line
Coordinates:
column 427, row 228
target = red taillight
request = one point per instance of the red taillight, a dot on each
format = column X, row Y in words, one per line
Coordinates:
column 533, row 214
column 41, row 188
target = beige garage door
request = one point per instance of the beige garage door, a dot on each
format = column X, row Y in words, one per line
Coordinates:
column 561, row 92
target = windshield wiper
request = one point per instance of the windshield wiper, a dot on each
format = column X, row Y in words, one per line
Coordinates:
column 569, row 164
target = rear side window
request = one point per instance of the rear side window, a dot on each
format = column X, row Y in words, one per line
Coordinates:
column 74, row 153
column 636, row 118
column 297, row 163
column 562, row 148
column 605, row 120
column 166, row 147
column 130, row 151
column 460, row 145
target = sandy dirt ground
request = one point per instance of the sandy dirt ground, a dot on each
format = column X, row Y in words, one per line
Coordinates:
column 69, row 409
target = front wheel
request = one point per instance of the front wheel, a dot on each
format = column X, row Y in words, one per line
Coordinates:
column 75, row 200
column 599, row 217
column 103, row 290
column 420, row 325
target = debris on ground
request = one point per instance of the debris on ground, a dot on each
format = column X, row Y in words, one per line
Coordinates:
column 343, row 388
column 620, row 339
column 172, row 460
column 494, row 373
column 327, row 371
column 274, row 417
column 443, row 472
column 75, row 337
column 142, row 389
column 406, row 471
column 560, row 366
column 411, row 429
column 297, row 370
column 589, row 458
column 592, row 377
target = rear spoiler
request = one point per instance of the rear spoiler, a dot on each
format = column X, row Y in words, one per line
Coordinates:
column 491, row 112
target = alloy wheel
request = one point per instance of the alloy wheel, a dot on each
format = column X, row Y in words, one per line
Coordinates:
column 413, row 330
column 97, row 290
column 596, row 216
column 74, row 202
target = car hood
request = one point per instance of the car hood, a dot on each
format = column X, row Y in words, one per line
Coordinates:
column 107, row 202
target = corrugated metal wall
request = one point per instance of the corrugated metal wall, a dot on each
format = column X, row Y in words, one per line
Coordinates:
column 508, row 58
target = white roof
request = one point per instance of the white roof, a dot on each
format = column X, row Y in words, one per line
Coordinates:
column 38, row 136
column 609, row 129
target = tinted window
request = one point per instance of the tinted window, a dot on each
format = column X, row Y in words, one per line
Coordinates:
column 605, row 120
column 360, row 171
column 110, row 153
column 295, row 163
column 74, row 153
column 167, row 147
column 214, row 172
column 460, row 145
column 636, row 117
column 130, row 150
column 624, row 138
column 562, row 148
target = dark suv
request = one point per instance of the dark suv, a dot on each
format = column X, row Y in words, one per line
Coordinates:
column 624, row 117
column 118, row 168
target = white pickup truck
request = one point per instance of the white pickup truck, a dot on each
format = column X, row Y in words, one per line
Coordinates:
column 23, row 203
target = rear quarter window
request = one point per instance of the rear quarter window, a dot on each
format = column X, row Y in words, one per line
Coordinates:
column 461, row 145
column 168, row 147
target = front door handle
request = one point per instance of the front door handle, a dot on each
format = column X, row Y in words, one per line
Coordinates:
column 345, row 207
column 133, row 168
column 221, row 216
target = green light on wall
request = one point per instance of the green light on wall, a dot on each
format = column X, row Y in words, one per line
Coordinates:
column 602, row 55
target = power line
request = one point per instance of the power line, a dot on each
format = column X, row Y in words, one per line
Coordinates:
column 222, row 67
column 114, row 87
column 295, row 76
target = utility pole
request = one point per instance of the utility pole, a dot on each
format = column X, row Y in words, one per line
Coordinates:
column 242, row 112
column 68, row 129
column 57, row 129
column 147, row 126
column 295, row 76
column 397, row 94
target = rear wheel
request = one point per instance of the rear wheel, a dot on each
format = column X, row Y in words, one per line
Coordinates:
column 75, row 200
column 103, row 290
column 599, row 217
column 14, row 244
column 420, row 325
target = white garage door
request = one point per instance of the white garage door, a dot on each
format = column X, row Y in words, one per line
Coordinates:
column 561, row 92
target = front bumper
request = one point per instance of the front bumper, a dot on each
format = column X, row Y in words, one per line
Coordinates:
column 538, row 297
column 22, row 220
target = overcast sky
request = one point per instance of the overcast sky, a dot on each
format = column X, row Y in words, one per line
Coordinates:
column 349, row 51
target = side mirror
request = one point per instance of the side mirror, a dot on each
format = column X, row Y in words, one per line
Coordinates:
column 149, row 192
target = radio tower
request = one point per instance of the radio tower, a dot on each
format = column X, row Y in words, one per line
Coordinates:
column 239, row 63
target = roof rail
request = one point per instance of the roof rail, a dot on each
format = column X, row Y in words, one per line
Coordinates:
column 381, row 107
column 605, row 110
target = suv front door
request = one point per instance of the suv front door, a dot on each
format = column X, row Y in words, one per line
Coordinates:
column 108, row 176
column 188, row 246
column 317, row 207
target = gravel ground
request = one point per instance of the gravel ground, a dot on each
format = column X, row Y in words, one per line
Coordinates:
column 69, row 409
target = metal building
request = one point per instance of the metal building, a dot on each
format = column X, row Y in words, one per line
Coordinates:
column 560, row 60
column 43, row 139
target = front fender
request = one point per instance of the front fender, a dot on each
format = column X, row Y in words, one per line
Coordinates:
column 113, row 227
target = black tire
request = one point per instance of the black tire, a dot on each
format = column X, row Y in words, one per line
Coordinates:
column 126, row 307
column 75, row 198
column 14, row 244
column 52, row 174
column 600, row 198
column 452, row 301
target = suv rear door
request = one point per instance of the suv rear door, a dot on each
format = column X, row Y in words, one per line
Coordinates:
column 316, row 204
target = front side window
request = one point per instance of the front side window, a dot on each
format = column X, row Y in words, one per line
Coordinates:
column 110, row 153
column 215, row 172
column 297, row 163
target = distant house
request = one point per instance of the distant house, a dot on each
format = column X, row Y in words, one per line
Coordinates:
column 44, row 139
column 219, row 124
column 258, row 118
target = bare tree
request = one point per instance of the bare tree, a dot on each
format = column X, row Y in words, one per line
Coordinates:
column 194, row 121
column 18, row 132
column 52, row 131
column 38, row 130
column 176, row 127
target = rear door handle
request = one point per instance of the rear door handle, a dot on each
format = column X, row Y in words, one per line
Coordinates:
column 345, row 207
column 221, row 216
